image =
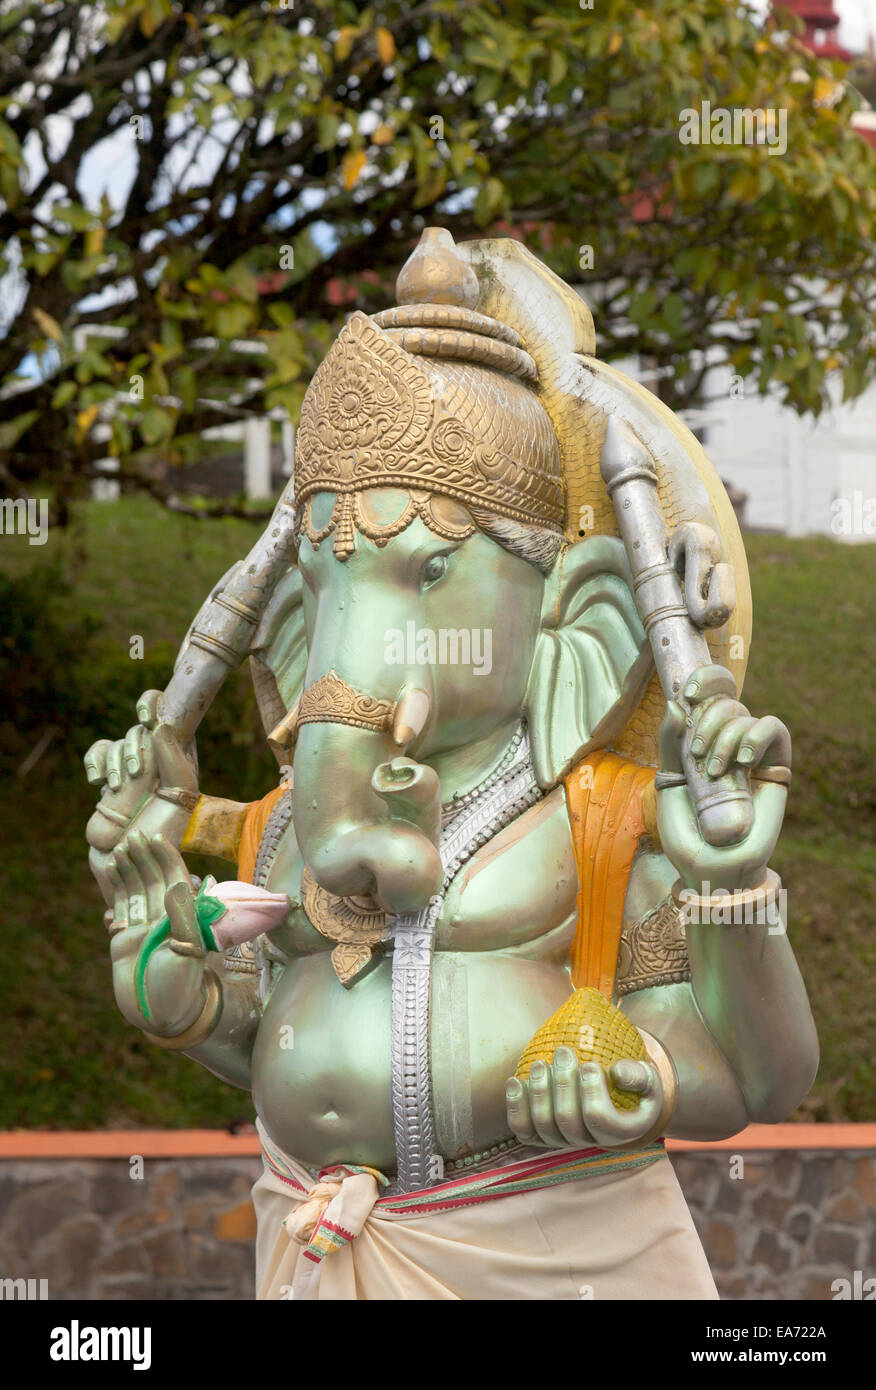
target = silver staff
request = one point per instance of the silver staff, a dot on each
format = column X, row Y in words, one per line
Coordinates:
column 723, row 805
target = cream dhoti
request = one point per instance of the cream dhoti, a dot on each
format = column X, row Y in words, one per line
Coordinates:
column 586, row 1223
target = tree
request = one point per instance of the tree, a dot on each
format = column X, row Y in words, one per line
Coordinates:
column 185, row 173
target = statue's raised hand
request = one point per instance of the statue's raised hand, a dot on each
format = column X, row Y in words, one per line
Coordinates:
column 161, row 989
column 565, row 1105
column 722, row 735
column 149, row 780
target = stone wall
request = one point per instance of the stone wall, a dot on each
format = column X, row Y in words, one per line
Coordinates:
column 782, row 1225
column 775, row 1225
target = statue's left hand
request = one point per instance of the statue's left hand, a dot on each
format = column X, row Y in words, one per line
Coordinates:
column 724, row 735
column 131, row 771
column 565, row 1105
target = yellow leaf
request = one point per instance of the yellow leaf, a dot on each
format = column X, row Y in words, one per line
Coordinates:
column 383, row 135
column 347, row 34
column 826, row 92
column 148, row 20
column 94, row 239
column 49, row 327
column 385, row 46
column 847, row 186
column 84, row 420
column 352, row 165
column 614, row 44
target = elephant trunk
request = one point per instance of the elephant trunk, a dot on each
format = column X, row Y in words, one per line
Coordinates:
column 367, row 820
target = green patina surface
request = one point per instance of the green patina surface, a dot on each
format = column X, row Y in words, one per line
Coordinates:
column 67, row 1058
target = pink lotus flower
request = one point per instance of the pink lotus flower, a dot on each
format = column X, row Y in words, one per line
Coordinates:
column 249, row 911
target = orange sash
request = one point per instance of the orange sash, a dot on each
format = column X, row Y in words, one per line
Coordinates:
column 610, row 803
column 253, row 830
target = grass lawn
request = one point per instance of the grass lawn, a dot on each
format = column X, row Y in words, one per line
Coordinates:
column 68, row 1060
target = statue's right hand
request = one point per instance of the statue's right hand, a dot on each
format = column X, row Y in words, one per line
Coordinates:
column 133, row 771
column 149, row 882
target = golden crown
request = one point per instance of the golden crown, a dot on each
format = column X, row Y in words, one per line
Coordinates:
column 433, row 398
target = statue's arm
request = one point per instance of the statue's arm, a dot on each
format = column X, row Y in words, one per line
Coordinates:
column 726, row 1001
column 227, row 1051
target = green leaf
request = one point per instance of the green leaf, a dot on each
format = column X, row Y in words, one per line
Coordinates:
column 12, row 430
column 232, row 320
column 488, row 201
column 558, row 66
column 74, row 215
column 156, row 424
column 63, row 394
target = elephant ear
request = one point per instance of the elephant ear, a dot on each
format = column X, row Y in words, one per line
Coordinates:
column 278, row 653
column 592, row 659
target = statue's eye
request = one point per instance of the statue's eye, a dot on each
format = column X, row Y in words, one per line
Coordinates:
column 433, row 570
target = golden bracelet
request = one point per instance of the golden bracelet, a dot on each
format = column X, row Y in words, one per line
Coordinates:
column 697, row 907
column 203, row 1024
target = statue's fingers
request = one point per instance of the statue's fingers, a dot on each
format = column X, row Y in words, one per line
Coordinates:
column 725, row 745
column 134, row 886
column 637, row 1077
column 767, row 741
column 120, row 896
column 676, row 818
column 171, row 862
column 671, row 737
column 114, row 765
column 95, row 761
column 179, row 904
column 541, row 1105
column 708, row 722
column 150, row 872
column 175, row 766
column 567, row 1099
column 608, row 1125
column 708, row 681
column 147, row 708
column 135, row 743
column 517, row 1110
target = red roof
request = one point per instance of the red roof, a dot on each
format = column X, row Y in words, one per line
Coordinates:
column 820, row 18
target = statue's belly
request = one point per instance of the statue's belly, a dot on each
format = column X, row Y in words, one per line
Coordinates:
column 321, row 1065
column 323, row 1089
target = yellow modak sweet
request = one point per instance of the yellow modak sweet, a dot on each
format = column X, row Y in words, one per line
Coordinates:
column 595, row 1031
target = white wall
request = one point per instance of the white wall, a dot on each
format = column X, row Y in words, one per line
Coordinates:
column 793, row 470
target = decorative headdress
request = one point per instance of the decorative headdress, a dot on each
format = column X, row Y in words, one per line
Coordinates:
column 434, row 398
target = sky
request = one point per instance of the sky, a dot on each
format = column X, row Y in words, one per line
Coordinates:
column 857, row 20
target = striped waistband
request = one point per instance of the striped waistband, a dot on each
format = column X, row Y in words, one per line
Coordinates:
column 566, row 1165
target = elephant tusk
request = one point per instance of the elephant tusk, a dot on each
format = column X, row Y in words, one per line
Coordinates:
column 282, row 737
column 411, row 716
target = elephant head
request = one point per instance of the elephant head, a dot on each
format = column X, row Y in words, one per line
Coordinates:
column 436, row 604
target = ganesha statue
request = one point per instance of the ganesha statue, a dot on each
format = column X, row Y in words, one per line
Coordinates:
column 507, row 919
